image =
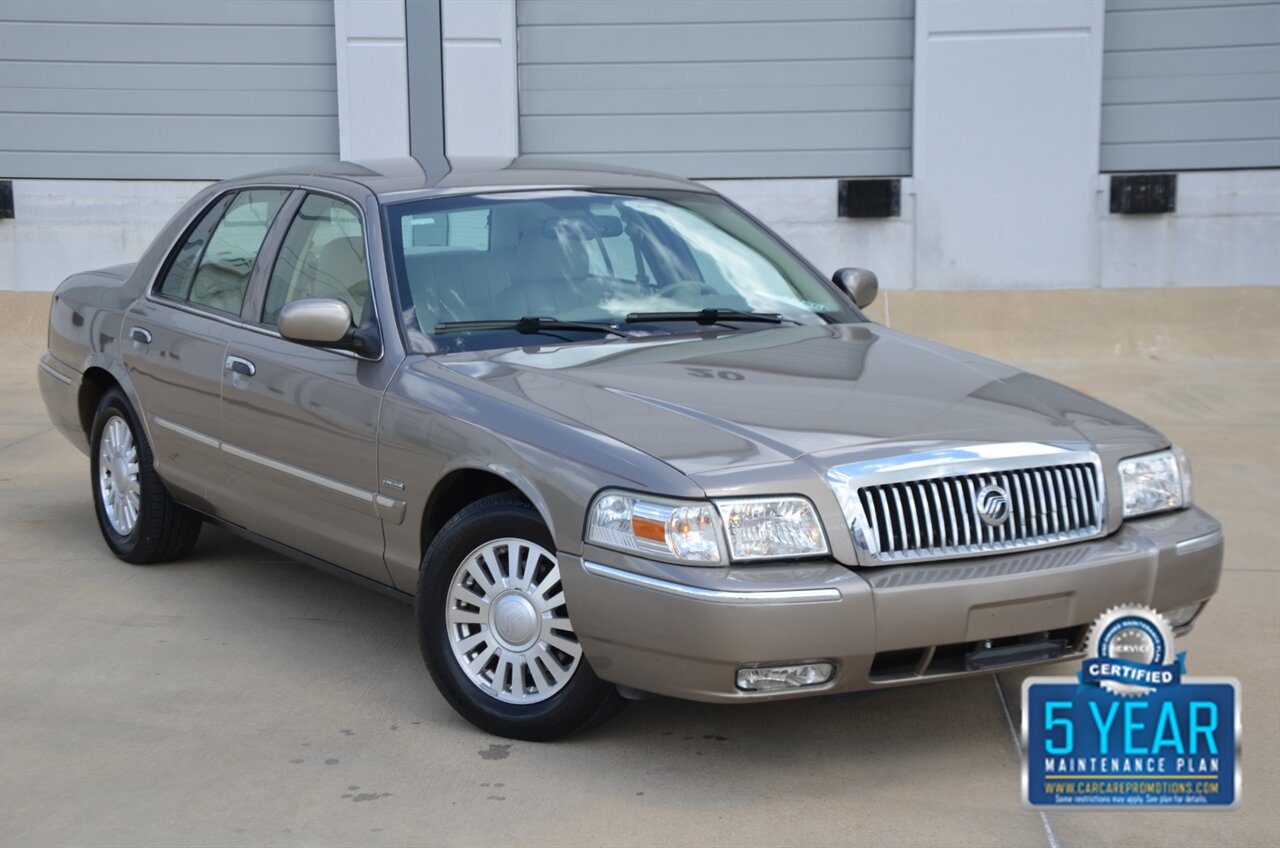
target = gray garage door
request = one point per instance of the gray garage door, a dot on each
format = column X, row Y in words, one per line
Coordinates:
column 165, row 88
column 720, row 88
column 1191, row 84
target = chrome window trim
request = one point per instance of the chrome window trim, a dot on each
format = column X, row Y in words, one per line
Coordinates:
column 184, row 306
column 954, row 459
column 385, row 507
column 718, row 596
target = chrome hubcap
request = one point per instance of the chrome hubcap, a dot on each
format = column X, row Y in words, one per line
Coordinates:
column 118, row 478
column 507, row 622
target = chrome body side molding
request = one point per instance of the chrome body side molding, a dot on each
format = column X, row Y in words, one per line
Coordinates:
column 387, row 508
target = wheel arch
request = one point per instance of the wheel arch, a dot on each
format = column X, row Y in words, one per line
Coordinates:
column 464, row 485
column 101, row 374
column 94, row 383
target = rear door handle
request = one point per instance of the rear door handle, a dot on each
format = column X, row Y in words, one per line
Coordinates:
column 240, row 365
column 140, row 335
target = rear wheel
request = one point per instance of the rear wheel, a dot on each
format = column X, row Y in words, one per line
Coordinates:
column 495, row 630
column 140, row 521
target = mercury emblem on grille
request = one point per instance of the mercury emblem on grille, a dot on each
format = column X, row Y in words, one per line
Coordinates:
column 993, row 505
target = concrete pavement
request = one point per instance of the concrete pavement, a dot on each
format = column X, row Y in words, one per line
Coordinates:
column 240, row 699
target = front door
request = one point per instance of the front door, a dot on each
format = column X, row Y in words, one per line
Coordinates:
column 300, row 423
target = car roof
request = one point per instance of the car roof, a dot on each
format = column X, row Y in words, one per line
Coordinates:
column 406, row 177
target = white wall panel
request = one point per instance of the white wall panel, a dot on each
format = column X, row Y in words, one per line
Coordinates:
column 1006, row 142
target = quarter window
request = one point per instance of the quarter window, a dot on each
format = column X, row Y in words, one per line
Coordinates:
column 322, row 257
column 222, row 276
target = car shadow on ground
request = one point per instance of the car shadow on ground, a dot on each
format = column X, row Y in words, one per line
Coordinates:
column 890, row 727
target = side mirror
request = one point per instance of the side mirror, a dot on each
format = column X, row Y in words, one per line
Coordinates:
column 326, row 322
column 320, row 321
column 859, row 283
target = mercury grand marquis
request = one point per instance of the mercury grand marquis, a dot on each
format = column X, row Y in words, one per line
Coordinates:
column 610, row 436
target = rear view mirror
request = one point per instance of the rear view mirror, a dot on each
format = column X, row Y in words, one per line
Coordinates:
column 859, row 283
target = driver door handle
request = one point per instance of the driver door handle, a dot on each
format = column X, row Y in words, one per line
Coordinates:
column 240, row 365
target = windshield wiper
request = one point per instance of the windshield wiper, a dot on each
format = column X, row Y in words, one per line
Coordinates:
column 529, row 324
column 707, row 316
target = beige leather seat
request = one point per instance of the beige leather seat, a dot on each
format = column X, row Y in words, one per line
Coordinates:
column 341, row 272
column 460, row 286
column 221, row 283
column 553, row 276
column 338, row 271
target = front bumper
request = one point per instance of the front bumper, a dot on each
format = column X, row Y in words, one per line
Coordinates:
column 685, row 631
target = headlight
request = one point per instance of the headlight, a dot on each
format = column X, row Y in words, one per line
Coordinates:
column 684, row 531
column 770, row 528
column 1155, row 482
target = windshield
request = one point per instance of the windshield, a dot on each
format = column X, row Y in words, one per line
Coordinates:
column 469, row 268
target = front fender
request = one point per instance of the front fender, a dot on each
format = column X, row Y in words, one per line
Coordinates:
column 431, row 428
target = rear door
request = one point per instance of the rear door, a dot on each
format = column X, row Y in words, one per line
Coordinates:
column 176, row 339
column 300, row 423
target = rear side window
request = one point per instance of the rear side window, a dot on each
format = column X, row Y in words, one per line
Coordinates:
column 182, row 270
column 222, row 276
column 322, row 257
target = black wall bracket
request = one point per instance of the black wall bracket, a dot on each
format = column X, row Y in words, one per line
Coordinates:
column 869, row 198
column 1144, row 194
column 6, row 199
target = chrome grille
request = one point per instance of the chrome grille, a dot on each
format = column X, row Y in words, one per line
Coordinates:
column 938, row 517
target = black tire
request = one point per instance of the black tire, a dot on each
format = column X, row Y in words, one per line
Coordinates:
column 584, row 701
column 164, row 529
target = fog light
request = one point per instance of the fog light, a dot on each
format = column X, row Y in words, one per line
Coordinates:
column 1182, row 616
column 784, row 677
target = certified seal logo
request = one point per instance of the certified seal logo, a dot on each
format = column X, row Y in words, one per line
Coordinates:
column 1131, row 652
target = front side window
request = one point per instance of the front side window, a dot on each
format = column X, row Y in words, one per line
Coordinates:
column 617, row 260
column 222, row 276
column 322, row 257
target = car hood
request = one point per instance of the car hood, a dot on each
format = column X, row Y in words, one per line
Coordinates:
column 715, row 401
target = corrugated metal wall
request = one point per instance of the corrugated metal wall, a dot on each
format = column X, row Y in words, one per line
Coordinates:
column 165, row 89
column 1191, row 84
column 749, row 88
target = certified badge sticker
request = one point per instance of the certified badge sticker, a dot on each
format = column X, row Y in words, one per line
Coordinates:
column 1131, row 729
column 1129, row 652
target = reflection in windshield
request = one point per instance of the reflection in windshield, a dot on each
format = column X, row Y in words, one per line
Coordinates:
column 726, row 260
column 578, row 256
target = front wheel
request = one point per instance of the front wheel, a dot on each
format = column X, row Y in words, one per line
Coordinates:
column 495, row 630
